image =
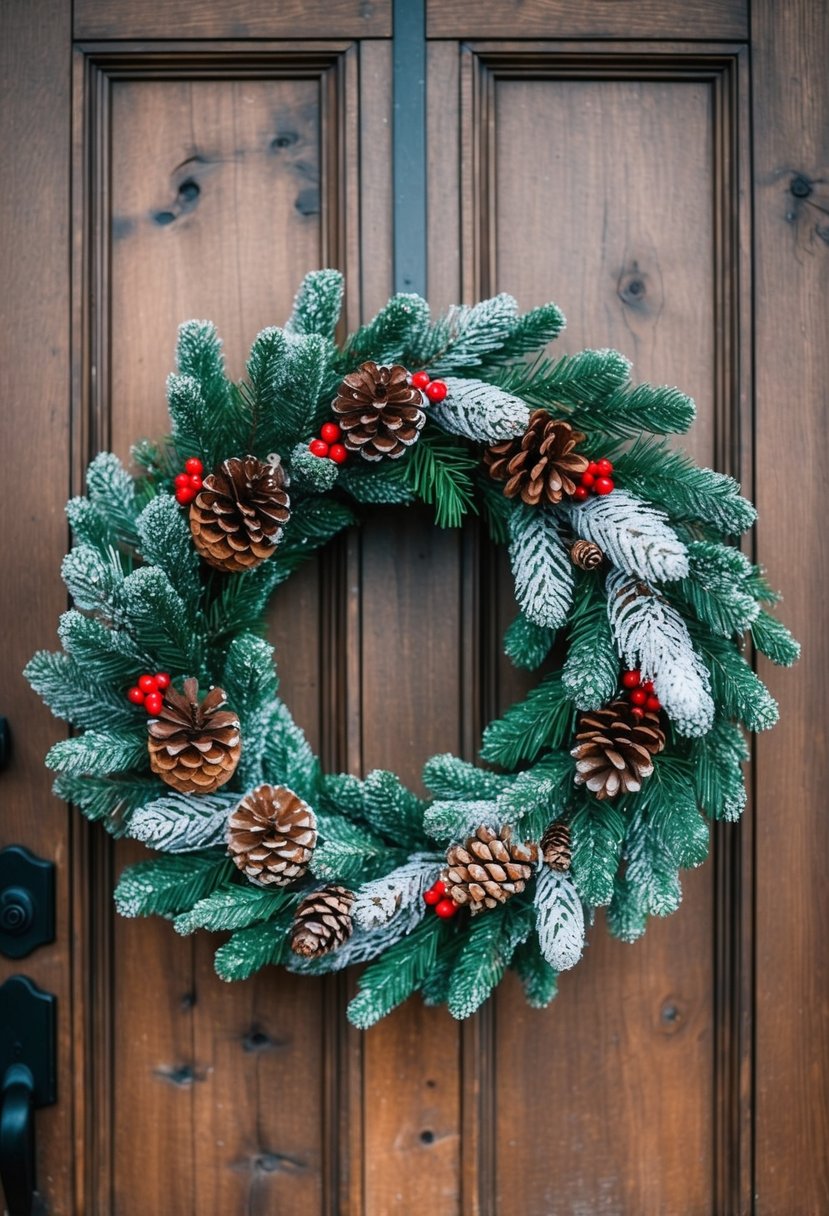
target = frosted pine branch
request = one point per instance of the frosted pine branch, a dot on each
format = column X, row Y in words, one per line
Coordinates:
column 540, row 566
column 450, row 820
column 480, row 411
column 398, row 895
column 635, row 536
column 560, row 919
column 652, row 636
column 178, row 824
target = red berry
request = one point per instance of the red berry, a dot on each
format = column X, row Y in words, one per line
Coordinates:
column 637, row 713
column 153, row 703
column 587, row 479
column 185, row 494
column 637, row 697
column 648, row 687
column 653, row 705
column 603, row 485
column 440, row 887
column 604, row 466
column 338, row 453
column 436, row 390
column 421, row 380
column 631, row 679
column 136, row 695
column 194, row 465
column 162, row 680
column 147, row 683
column 593, row 469
column 431, row 897
column 581, row 493
column 195, row 481
column 318, row 447
column 446, row 908
column 330, row 432
column 181, row 479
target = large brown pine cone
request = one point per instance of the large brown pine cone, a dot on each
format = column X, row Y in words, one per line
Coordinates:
column 555, row 846
column 271, row 835
column 539, row 465
column 194, row 745
column 239, row 513
column 322, row 921
column 488, row 868
column 379, row 411
column 613, row 749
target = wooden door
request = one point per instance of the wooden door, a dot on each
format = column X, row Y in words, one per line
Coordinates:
column 659, row 168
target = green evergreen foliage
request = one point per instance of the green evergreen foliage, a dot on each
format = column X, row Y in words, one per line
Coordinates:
column 287, row 758
column 235, row 905
column 100, row 752
column 538, row 979
column 392, row 809
column 538, row 795
column 157, row 618
column 716, row 762
column 735, row 687
column 248, row 950
column 448, row 776
column 440, row 473
column 317, row 304
column 209, row 416
column 311, row 474
column 164, row 540
column 110, row 800
column 651, row 870
column 170, row 883
column 347, row 852
column 626, row 917
column 670, row 479
column 398, row 328
column 772, row 638
column 469, row 337
column 111, row 493
column 390, row 483
column 342, row 793
column 92, row 577
column 674, row 818
column 497, row 509
column 63, row 684
column 597, row 830
column 456, row 819
column 541, row 721
column 527, row 644
column 107, row 656
column 486, row 953
column 591, row 670
column 402, row 970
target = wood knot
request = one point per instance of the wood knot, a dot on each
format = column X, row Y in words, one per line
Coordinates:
column 800, row 186
column 632, row 287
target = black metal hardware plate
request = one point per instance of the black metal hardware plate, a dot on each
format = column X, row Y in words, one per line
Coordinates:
column 27, row 902
column 27, row 1034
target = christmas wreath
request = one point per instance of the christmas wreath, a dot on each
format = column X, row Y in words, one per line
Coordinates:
column 595, row 789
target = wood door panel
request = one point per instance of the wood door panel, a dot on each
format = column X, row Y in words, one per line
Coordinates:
column 231, row 19
column 587, row 19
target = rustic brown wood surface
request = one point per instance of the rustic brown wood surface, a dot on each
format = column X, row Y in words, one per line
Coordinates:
column 210, row 168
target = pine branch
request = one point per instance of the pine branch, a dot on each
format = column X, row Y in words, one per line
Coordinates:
column 526, row 644
column 317, row 304
column 392, row 809
column 165, row 541
column 543, row 720
column 389, row 483
column 571, row 382
column 110, row 800
column 397, row 895
column 398, row 973
column 626, row 918
column 347, row 853
column 673, row 816
column 651, row 873
column 64, row 685
column 111, row 492
column 538, row 795
column 559, row 919
column 439, row 472
column 107, row 656
column 287, row 758
column 772, row 638
column 169, row 884
column 235, row 905
column 716, row 762
column 398, row 329
column 248, row 950
column 591, row 670
column 447, row 776
column 472, row 337
column 478, row 411
column 538, row 979
column 486, row 953
column 210, row 426
column 597, row 830
column 540, row 566
column 98, row 753
column 737, row 690
column 158, row 619
column 634, row 536
column 177, row 823
column 447, row 820
column 92, row 578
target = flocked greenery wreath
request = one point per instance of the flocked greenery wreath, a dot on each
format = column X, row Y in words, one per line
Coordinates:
column 598, row 785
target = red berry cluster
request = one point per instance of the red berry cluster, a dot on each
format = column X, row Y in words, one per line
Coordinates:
column 437, row 898
column 189, row 482
column 596, row 479
column 435, row 390
column 641, row 694
column 329, row 444
column 149, row 691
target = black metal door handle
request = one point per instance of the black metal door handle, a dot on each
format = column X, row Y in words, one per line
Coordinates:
column 27, row 1081
column 17, row 1140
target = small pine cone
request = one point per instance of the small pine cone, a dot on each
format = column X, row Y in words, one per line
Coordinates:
column 238, row 515
column 322, row 921
column 586, row 555
column 194, row 746
column 613, row 749
column 540, row 466
column 271, row 835
column 555, row 846
column 379, row 411
column 488, row 868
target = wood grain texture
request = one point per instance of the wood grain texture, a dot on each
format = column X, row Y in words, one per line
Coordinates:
column 657, row 19
column 791, row 201
column 232, row 19
column 616, row 215
column 34, row 381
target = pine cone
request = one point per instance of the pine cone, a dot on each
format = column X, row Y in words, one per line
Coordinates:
column 540, row 465
column 488, row 868
column 194, row 746
column 271, row 835
column 322, row 921
column 613, row 749
column 238, row 515
column 555, row 846
column 379, row 411
column 586, row 555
